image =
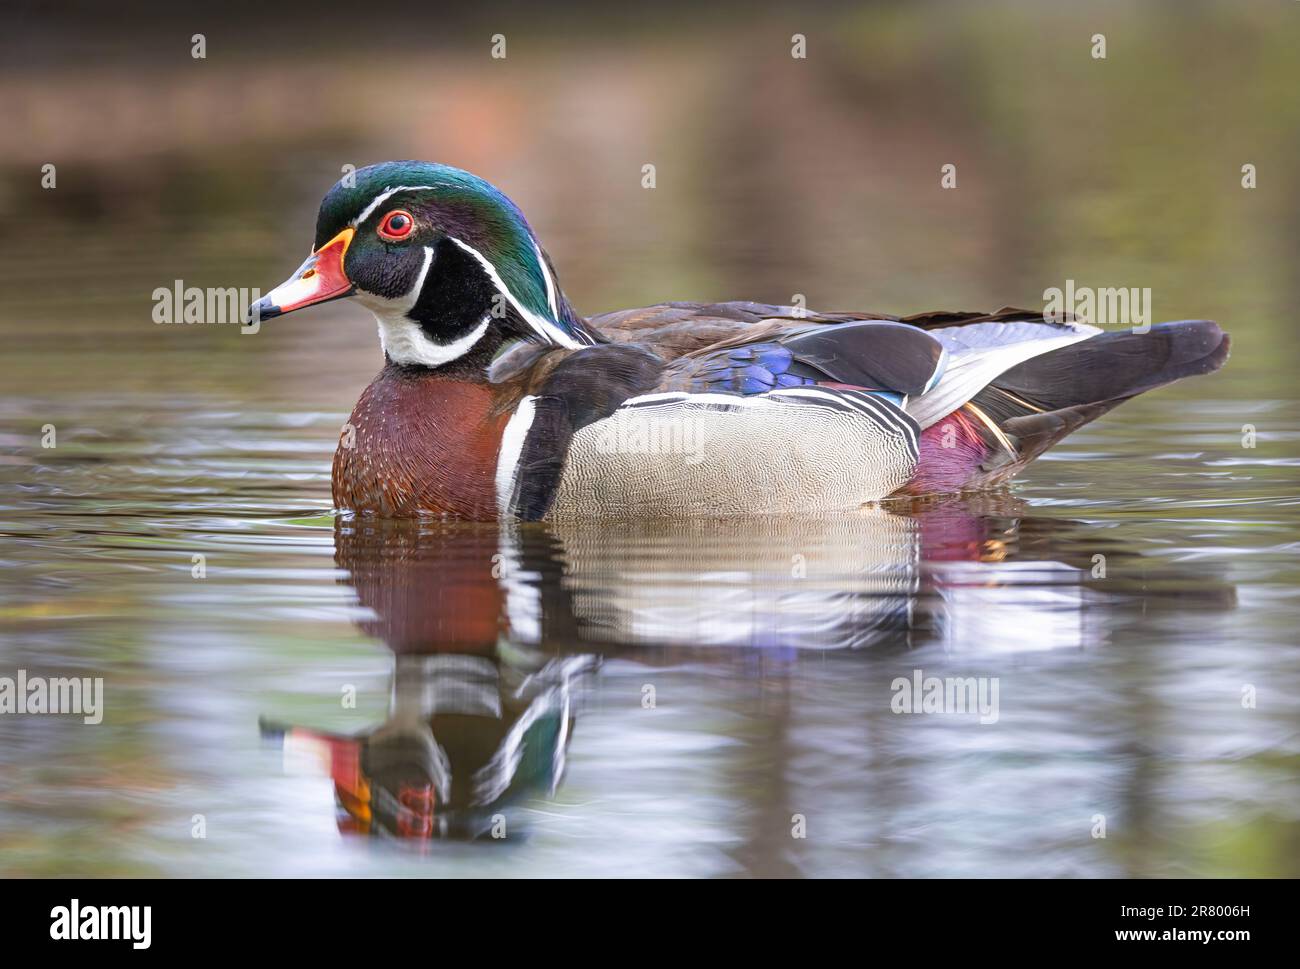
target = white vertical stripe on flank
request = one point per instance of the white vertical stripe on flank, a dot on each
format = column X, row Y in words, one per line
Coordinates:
column 512, row 446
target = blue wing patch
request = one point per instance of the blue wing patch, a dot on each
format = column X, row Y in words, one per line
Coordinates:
column 757, row 368
column 753, row 369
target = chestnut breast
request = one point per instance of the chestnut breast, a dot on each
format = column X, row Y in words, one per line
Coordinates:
column 418, row 443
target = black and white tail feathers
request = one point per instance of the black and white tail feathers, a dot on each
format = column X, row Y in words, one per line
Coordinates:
column 1038, row 402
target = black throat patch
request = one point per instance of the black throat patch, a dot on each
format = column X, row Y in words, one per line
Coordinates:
column 457, row 295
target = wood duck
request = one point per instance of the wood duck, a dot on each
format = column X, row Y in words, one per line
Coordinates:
column 498, row 401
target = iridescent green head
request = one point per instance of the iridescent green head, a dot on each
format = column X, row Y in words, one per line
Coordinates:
column 447, row 263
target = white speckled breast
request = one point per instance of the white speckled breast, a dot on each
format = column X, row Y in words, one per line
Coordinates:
column 690, row 455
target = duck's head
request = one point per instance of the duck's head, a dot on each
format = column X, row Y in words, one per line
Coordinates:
column 448, row 265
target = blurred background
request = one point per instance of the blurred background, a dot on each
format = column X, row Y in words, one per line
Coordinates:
column 774, row 176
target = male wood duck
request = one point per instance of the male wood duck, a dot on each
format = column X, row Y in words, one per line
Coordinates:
column 498, row 401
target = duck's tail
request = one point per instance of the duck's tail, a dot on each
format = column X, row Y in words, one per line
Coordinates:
column 1028, row 408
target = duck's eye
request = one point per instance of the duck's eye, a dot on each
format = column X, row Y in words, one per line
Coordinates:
column 397, row 224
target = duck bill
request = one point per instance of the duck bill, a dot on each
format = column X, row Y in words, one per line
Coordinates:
column 320, row 279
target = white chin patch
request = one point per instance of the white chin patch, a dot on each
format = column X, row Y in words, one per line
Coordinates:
column 403, row 339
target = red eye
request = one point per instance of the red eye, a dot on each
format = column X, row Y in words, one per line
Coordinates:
column 397, row 224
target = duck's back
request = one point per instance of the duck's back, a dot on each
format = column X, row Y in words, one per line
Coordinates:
column 765, row 408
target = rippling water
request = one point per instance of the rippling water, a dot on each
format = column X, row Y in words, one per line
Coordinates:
column 662, row 699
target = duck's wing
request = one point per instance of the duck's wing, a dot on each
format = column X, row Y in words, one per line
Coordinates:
column 676, row 329
column 876, row 355
column 937, row 361
column 978, row 352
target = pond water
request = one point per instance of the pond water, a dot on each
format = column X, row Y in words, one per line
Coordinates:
column 698, row 691
column 286, row 692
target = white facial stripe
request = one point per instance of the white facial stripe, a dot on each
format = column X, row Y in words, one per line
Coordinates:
column 414, row 294
column 512, row 446
column 543, row 327
column 384, row 196
column 550, row 284
column 405, row 341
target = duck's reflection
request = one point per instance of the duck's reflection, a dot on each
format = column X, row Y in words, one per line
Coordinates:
column 466, row 736
column 494, row 631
